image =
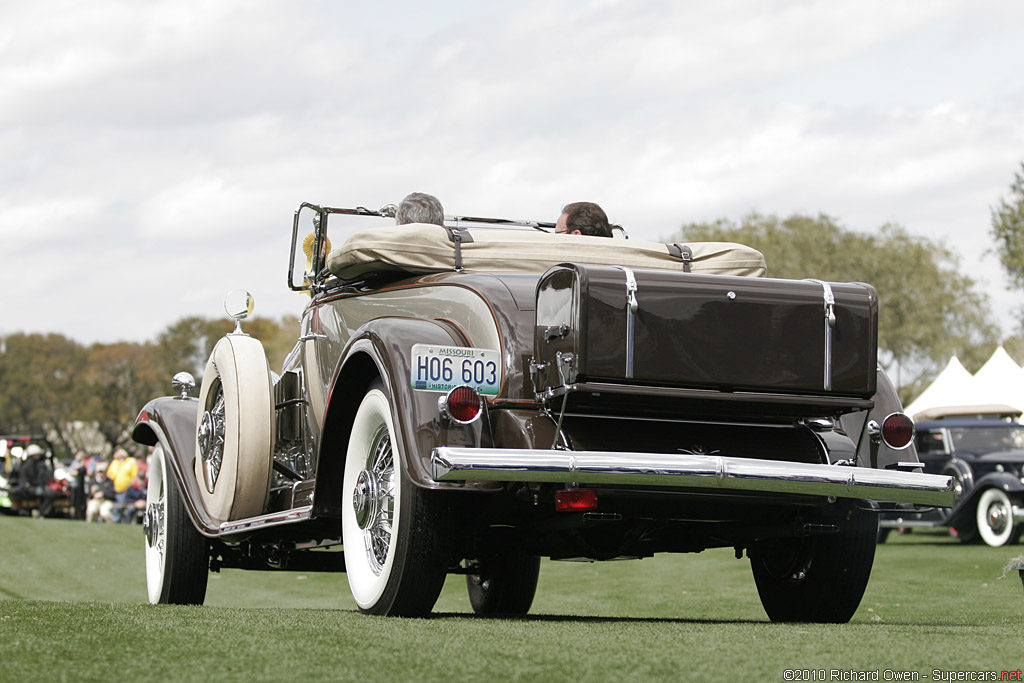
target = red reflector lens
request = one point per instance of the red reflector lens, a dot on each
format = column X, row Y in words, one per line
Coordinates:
column 574, row 500
column 897, row 431
column 464, row 404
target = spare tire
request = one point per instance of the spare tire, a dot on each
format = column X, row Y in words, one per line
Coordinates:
column 235, row 430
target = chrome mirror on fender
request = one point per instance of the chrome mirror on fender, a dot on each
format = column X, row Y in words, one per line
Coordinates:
column 238, row 304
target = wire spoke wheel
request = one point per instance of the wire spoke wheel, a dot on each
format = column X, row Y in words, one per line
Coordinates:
column 395, row 535
column 211, row 438
column 374, row 500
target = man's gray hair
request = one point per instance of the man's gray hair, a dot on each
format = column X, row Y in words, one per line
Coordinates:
column 420, row 207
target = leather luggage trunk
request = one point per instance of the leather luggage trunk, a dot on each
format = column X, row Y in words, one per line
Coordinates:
column 705, row 332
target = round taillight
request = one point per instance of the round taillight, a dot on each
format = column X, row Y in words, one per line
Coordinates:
column 462, row 404
column 897, row 431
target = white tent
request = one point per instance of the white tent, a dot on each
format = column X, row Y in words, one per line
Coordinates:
column 998, row 387
column 949, row 388
column 999, row 380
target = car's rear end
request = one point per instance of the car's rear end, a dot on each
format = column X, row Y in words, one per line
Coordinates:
column 691, row 411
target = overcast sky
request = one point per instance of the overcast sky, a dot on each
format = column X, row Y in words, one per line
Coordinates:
column 153, row 152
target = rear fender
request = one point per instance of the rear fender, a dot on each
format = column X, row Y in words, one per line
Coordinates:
column 171, row 422
column 869, row 453
column 383, row 349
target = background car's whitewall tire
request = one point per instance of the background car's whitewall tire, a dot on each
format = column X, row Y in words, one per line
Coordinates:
column 396, row 536
column 176, row 554
column 235, row 430
column 995, row 518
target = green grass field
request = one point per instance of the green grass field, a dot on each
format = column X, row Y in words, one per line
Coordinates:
column 73, row 607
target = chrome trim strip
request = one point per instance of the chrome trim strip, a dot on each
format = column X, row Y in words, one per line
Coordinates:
column 830, row 322
column 269, row 520
column 690, row 471
column 631, row 308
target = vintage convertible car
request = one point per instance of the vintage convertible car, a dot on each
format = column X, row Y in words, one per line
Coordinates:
column 472, row 397
column 984, row 455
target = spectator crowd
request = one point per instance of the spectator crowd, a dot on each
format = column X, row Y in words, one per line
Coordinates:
column 108, row 491
column 91, row 487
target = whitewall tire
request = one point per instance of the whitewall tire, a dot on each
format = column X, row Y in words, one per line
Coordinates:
column 396, row 536
column 235, row 430
column 176, row 553
column 371, row 500
column 995, row 518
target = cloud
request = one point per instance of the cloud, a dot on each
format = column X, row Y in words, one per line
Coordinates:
column 155, row 151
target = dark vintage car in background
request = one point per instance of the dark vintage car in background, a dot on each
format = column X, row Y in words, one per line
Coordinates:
column 470, row 398
column 15, row 496
column 984, row 455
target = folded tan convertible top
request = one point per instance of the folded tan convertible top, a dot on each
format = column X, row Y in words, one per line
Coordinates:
column 420, row 248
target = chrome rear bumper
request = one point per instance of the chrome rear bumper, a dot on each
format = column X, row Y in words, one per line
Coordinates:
column 690, row 471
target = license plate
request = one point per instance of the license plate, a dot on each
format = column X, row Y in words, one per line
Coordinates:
column 442, row 368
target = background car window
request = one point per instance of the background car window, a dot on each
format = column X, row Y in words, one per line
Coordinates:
column 931, row 442
column 987, row 439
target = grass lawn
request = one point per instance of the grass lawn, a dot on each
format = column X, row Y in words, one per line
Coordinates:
column 72, row 607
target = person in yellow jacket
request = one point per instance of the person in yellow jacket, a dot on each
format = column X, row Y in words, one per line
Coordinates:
column 122, row 471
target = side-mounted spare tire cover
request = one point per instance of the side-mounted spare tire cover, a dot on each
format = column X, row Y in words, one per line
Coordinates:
column 235, row 430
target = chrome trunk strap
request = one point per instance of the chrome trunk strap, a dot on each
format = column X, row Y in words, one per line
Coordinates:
column 631, row 307
column 830, row 322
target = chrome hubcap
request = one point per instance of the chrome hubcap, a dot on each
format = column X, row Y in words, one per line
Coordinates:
column 366, row 499
column 997, row 518
column 154, row 521
column 373, row 500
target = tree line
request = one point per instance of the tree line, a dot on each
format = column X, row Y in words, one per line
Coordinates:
column 928, row 311
column 76, row 394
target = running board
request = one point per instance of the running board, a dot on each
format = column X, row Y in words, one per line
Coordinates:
column 292, row 516
column 685, row 470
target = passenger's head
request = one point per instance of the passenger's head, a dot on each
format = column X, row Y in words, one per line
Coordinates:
column 420, row 207
column 583, row 218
